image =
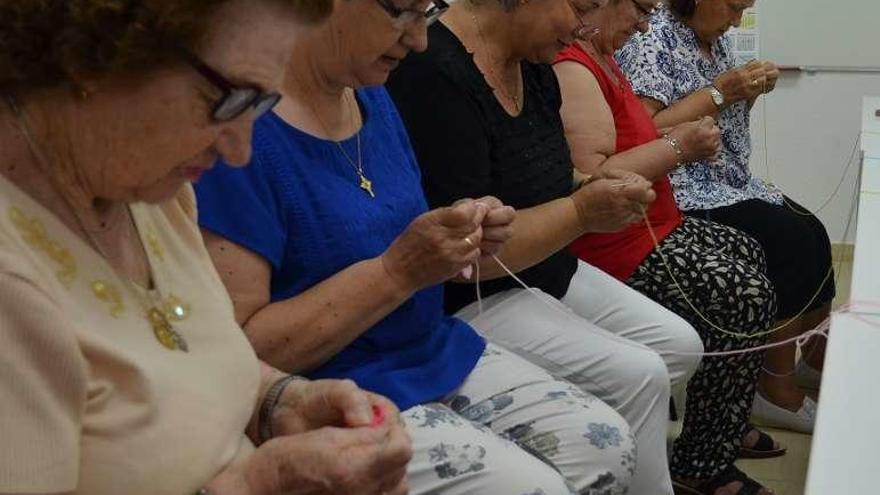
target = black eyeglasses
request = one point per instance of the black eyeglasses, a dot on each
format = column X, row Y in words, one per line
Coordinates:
column 646, row 14
column 402, row 18
column 236, row 100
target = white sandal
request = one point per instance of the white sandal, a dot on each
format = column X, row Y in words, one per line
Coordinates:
column 767, row 413
column 807, row 377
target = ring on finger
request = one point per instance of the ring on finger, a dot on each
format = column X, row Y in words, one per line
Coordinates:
column 468, row 240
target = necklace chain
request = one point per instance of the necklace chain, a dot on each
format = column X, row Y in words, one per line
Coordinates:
column 365, row 183
column 162, row 329
column 512, row 96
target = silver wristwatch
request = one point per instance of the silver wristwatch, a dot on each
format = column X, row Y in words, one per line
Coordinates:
column 717, row 97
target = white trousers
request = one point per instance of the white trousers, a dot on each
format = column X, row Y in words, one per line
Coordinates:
column 513, row 429
column 610, row 341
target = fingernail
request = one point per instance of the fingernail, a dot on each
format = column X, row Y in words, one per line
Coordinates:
column 378, row 416
column 467, row 272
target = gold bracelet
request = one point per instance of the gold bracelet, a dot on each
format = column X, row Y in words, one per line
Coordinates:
column 676, row 146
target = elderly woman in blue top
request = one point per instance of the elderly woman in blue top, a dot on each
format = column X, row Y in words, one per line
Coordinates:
column 334, row 264
column 683, row 69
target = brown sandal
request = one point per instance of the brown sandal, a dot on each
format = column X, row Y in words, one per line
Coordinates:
column 764, row 448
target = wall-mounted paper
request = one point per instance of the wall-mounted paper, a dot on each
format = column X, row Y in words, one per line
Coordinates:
column 746, row 40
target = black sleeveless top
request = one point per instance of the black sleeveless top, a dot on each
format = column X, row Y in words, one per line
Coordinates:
column 468, row 146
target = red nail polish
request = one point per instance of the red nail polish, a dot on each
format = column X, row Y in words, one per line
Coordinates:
column 378, row 416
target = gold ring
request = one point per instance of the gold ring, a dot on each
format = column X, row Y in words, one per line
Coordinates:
column 754, row 82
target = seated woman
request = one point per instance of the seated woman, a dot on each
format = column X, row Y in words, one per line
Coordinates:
column 711, row 275
column 334, row 265
column 471, row 141
column 701, row 81
column 122, row 368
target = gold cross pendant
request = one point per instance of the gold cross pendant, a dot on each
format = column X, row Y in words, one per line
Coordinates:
column 367, row 185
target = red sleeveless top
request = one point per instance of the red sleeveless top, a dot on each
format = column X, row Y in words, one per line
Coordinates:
column 619, row 254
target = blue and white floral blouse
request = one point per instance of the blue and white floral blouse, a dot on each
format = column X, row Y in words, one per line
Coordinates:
column 666, row 64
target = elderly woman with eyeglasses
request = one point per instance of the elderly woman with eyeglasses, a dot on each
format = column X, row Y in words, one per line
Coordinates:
column 491, row 126
column 335, row 266
column 122, row 368
column 710, row 274
column 684, row 68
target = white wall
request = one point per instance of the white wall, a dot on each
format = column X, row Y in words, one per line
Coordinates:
column 813, row 121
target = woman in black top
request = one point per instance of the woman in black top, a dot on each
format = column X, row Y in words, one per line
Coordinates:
column 488, row 127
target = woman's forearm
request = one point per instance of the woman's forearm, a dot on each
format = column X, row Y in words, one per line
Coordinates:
column 651, row 160
column 303, row 332
column 692, row 107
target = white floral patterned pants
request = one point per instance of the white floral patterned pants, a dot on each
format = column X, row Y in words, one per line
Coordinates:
column 611, row 342
column 513, row 429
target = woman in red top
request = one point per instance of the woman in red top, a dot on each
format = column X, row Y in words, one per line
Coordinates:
column 719, row 269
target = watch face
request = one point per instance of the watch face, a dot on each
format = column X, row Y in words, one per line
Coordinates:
column 717, row 97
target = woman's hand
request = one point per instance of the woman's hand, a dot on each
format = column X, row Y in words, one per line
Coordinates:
column 771, row 75
column 367, row 460
column 332, row 438
column 437, row 245
column 497, row 225
column 699, row 140
column 614, row 201
column 744, row 83
column 307, row 405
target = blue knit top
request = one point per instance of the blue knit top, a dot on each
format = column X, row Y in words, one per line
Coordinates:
column 299, row 205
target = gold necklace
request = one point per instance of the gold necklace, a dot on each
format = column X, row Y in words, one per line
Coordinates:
column 365, row 183
column 512, row 96
column 156, row 317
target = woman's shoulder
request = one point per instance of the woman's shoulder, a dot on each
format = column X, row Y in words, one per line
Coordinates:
column 445, row 62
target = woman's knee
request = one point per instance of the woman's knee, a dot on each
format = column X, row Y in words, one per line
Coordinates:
column 745, row 296
column 606, row 457
column 583, row 438
column 645, row 375
column 750, row 249
column 453, row 455
column 681, row 356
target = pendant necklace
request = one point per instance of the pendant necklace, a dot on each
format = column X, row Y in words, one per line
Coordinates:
column 365, row 183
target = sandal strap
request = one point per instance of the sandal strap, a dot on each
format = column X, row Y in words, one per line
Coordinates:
column 765, row 442
column 731, row 475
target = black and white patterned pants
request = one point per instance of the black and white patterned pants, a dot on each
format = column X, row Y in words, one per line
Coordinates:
column 723, row 273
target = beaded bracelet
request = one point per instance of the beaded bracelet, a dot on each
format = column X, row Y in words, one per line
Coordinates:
column 676, row 146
